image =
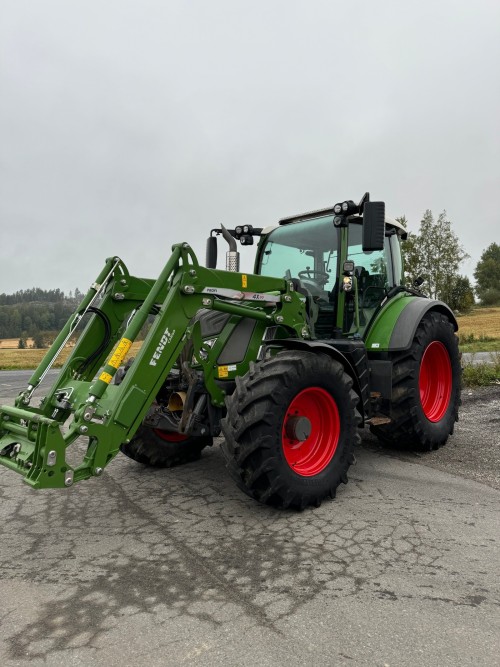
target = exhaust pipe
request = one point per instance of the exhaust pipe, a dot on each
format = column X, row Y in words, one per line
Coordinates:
column 232, row 255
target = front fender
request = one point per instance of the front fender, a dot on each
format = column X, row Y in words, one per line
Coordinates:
column 360, row 387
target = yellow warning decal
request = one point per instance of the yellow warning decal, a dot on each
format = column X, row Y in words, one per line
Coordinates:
column 105, row 377
column 244, row 280
column 223, row 371
column 120, row 352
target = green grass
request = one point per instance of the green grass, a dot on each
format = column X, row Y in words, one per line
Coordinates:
column 471, row 342
column 481, row 345
column 482, row 375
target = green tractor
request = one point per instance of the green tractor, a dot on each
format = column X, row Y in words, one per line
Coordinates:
column 288, row 363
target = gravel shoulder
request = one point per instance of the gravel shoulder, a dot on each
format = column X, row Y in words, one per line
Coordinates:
column 473, row 451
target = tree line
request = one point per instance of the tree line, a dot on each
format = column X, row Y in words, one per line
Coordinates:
column 35, row 294
column 34, row 313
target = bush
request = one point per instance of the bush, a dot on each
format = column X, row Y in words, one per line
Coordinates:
column 480, row 375
column 463, row 339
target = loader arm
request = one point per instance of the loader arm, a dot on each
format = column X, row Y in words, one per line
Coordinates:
column 83, row 406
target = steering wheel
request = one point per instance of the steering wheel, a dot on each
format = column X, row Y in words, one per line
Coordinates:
column 312, row 274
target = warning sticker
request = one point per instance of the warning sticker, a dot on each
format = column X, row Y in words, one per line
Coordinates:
column 244, row 280
column 105, row 377
column 120, row 352
column 223, row 371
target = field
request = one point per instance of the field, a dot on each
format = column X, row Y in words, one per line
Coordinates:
column 12, row 343
column 478, row 331
column 14, row 359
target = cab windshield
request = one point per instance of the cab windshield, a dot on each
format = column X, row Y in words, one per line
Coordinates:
column 308, row 252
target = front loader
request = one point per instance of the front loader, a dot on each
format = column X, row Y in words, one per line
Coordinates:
column 288, row 362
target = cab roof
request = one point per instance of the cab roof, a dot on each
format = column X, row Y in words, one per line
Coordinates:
column 323, row 212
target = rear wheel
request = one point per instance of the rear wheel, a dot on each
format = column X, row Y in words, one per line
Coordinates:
column 164, row 449
column 425, row 388
column 291, row 428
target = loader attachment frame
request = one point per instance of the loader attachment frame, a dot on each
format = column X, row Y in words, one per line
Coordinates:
column 84, row 405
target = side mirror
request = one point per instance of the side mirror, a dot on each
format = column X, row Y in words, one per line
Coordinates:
column 211, row 259
column 373, row 225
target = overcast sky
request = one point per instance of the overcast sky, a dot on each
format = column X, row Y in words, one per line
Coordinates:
column 126, row 126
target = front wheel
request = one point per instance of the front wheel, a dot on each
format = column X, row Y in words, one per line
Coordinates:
column 291, row 428
column 164, row 449
column 425, row 388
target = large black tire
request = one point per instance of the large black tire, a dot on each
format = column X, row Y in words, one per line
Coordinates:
column 268, row 452
column 425, row 388
column 161, row 449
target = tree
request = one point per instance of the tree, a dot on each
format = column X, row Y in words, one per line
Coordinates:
column 22, row 344
column 39, row 340
column 403, row 221
column 435, row 254
column 408, row 252
column 487, row 275
column 459, row 295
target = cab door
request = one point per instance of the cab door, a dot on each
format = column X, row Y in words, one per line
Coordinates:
column 374, row 278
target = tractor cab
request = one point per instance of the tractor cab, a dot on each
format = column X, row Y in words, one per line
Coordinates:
column 337, row 262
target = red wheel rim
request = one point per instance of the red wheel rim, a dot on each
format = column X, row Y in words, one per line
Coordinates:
column 435, row 381
column 170, row 436
column 310, row 456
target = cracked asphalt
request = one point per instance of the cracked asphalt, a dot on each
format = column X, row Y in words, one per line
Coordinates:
column 178, row 567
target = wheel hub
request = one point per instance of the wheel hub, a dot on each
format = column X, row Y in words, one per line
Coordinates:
column 298, row 428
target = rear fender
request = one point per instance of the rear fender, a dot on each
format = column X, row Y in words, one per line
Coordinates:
column 395, row 325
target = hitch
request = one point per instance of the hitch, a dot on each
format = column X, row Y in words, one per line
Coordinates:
column 33, row 445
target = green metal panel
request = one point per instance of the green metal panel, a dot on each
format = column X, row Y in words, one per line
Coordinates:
column 379, row 335
column 127, row 410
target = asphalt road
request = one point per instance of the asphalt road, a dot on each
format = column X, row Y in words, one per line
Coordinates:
column 178, row 567
column 475, row 358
